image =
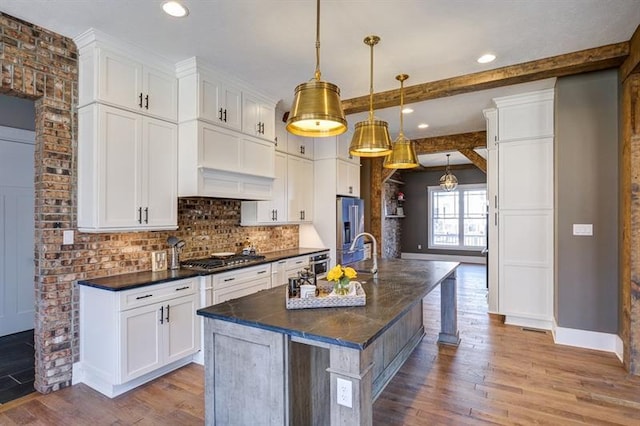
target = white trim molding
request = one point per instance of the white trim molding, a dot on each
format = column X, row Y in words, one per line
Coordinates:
column 588, row 339
column 445, row 257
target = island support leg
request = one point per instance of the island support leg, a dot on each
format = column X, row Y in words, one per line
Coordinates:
column 449, row 312
column 354, row 369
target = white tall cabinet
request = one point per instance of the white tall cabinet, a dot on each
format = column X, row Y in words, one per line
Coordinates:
column 521, row 206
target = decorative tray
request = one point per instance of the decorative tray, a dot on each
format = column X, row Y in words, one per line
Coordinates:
column 323, row 300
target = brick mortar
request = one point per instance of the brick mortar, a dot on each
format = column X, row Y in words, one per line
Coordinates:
column 38, row 64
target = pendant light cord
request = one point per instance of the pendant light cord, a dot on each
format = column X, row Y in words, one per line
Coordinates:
column 402, row 78
column 317, row 73
column 371, row 86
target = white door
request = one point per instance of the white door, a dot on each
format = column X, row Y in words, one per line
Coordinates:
column 16, row 230
column 141, row 334
column 182, row 328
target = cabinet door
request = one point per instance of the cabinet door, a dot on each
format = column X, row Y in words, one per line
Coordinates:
column 220, row 103
column 181, row 328
column 306, row 175
column 275, row 210
column 141, row 334
column 251, row 116
column 348, row 179
column 300, row 146
column 268, row 119
column 160, row 174
column 344, row 141
column 160, row 94
column 278, row 273
column 120, row 80
column 294, row 189
column 120, row 133
column 280, row 136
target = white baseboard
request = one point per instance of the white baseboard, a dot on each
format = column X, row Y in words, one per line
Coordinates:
column 539, row 324
column 588, row 339
column 445, row 257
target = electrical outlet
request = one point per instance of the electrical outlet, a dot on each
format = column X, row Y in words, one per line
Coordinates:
column 344, row 392
column 67, row 237
column 419, row 246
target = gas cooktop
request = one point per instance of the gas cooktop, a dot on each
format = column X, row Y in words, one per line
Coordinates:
column 213, row 263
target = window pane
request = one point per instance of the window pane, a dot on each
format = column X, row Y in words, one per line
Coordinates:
column 458, row 218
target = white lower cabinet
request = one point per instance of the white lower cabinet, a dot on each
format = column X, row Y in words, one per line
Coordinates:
column 130, row 337
column 242, row 282
column 287, row 268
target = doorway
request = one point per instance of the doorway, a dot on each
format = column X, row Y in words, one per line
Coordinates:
column 17, row 204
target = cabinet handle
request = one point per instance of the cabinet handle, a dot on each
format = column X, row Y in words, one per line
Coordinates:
column 220, row 114
column 495, row 201
column 276, row 214
column 161, row 314
column 299, row 262
column 140, row 215
column 495, row 218
column 275, row 141
column 144, row 297
column 304, row 214
column 168, row 313
column 351, row 190
column 350, row 157
column 225, row 116
column 186, row 287
column 229, row 279
column 262, row 128
column 262, row 272
column 140, row 100
column 146, row 102
column 146, row 215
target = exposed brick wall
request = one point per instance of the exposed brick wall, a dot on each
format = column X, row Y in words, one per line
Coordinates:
column 41, row 65
column 391, row 227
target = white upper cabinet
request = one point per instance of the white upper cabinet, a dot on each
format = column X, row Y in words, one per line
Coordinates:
column 206, row 97
column 348, row 178
column 300, row 146
column 127, row 167
column 118, row 75
column 299, row 189
column 335, row 147
column 258, row 117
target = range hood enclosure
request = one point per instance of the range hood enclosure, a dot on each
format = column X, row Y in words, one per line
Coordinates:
column 218, row 162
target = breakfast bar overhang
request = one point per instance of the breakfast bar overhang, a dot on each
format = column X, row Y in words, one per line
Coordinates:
column 266, row 365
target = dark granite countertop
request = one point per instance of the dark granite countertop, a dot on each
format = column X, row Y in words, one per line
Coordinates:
column 400, row 284
column 141, row 279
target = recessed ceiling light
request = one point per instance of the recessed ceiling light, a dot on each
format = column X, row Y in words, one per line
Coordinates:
column 423, row 126
column 485, row 59
column 175, row 8
column 407, row 111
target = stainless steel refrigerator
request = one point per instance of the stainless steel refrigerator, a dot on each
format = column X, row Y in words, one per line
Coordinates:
column 350, row 220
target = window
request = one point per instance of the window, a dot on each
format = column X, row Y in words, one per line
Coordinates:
column 458, row 219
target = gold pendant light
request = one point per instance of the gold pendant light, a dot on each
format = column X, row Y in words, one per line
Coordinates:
column 403, row 154
column 371, row 137
column 317, row 109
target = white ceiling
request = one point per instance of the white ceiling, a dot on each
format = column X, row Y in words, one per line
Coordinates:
column 271, row 43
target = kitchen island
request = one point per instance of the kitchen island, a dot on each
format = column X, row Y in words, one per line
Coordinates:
column 268, row 365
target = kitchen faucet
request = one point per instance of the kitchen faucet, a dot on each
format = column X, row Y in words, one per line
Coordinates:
column 374, row 269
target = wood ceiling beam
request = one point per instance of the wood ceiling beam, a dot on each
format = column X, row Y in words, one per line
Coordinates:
column 597, row 58
column 477, row 160
column 632, row 64
column 469, row 140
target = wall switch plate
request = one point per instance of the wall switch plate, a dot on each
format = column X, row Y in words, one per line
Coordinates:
column 67, row 237
column 159, row 261
column 344, row 392
column 583, row 229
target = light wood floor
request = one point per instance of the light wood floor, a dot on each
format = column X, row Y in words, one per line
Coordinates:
column 499, row 375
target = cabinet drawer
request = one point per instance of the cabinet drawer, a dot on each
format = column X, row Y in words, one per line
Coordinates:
column 156, row 293
column 237, row 277
column 297, row 262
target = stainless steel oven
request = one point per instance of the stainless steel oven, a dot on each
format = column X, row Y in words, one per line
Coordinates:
column 320, row 263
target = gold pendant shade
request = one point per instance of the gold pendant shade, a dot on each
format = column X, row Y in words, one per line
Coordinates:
column 371, row 137
column 403, row 153
column 317, row 109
